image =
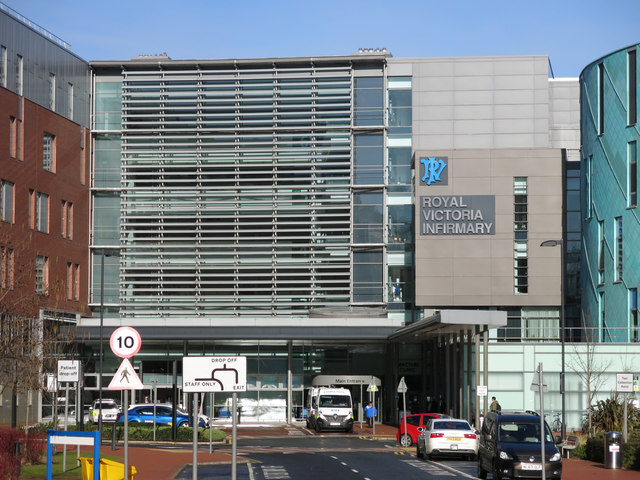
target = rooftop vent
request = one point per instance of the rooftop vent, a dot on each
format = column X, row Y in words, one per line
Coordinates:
column 156, row 56
column 373, row 51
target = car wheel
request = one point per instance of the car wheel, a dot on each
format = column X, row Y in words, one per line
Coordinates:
column 482, row 473
column 405, row 440
column 349, row 430
column 318, row 429
column 183, row 424
column 418, row 451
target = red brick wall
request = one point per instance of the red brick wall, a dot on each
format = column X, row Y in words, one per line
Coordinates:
column 65, row 184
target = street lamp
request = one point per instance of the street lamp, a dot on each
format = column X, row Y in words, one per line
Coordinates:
column 560, row 243
column 103, row 253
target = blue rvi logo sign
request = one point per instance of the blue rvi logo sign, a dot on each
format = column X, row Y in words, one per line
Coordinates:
column 434, row 170
column 458, row 215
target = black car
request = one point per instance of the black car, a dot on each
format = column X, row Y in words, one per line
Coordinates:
column 510, row 446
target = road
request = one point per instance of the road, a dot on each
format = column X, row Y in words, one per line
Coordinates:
column 335, row 457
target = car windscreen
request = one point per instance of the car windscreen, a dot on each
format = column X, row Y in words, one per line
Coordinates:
column 335, row 401
column 451, row 426
column 522, row 433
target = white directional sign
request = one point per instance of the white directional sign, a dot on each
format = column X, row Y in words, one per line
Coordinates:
column 214, row 374
column 535, row 384
column 402, row 386
column 125, row 342
column 126, row 378
column 482, row 390
column 68, row 370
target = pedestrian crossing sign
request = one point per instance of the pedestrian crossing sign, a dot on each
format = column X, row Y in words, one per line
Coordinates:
column 126, row 378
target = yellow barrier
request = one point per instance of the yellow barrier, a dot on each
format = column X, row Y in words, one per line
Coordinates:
column 109, row 470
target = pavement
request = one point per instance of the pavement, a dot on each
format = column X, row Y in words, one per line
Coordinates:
column 160, row 462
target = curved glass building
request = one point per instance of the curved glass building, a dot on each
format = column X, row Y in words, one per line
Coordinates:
column 609, row 137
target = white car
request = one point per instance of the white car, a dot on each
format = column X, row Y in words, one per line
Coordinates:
column 447, row 436
column 110, row 410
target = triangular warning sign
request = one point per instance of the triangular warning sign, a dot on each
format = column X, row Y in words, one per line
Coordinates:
column 126, row 378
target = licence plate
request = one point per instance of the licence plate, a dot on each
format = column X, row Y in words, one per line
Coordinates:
column 334, row 423
column 454, row 439
column 531, row 466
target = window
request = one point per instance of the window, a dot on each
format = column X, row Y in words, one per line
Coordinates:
column 618, row 252
column 6, row 201
column 19, row 74
column 632, row 174
column 39, row 211
column 6, row 268
column 600, row 98
column 66, row 220
column 520, row 228
column 601, row 250
column 633, row 313
column 3, row 66
column 368, row 99
column 13, row 137
column 42, row 274
column 368, row 160
column 73, row 281
column 70, row 100
column 52, row 91
column 49, row 152
column 368, row 276
column 632, row 99
column 367, row 217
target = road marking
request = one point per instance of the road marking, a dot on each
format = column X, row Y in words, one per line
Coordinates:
column 429, row 467
column 460, row 472
column 274, row 472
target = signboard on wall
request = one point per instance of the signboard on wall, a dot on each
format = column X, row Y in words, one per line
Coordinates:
column 458, row 215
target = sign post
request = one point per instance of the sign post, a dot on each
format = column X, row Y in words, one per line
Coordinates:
column 625, row 384
column 216, row 374
column 538, row 385
column 68, row 371
column 373, row 388
column 125, row 342
column 402, row 388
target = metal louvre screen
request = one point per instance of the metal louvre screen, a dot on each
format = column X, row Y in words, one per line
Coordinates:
column 235, row 190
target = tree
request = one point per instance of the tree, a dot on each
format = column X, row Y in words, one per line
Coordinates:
column 591, row 370
column 28, row 341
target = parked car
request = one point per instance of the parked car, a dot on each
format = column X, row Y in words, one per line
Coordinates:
column 110, row 410
column 415, row 424
column 510, row 446
column 447, row 436
column 163, row 415
column 203, row 419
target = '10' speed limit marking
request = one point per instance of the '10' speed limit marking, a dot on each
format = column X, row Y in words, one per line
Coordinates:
column 125, row 342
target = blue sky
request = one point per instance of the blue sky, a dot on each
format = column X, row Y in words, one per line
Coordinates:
column 572, row 32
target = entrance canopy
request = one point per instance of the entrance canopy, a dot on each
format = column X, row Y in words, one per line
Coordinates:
column 450, row 321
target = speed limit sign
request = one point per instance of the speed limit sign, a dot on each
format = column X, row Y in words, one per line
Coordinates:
column 125, row 342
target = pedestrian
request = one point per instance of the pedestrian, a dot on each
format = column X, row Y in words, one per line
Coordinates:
column 495, row 406
column 370, row 411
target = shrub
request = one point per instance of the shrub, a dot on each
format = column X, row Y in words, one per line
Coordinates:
column 36, row 447
column 595, row 449
column 9, row 462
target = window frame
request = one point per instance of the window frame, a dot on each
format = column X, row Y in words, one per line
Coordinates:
column 49, row 152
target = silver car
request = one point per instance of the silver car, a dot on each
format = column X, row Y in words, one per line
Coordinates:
column 450, row 436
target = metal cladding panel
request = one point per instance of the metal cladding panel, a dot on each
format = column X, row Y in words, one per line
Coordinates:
column 42, row 56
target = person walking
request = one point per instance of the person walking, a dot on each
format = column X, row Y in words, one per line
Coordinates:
column 495, row 406
column 370, row 411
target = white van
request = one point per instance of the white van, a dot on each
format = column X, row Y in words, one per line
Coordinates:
column 330, row 409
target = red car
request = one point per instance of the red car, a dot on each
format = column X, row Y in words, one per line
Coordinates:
column 415, row 424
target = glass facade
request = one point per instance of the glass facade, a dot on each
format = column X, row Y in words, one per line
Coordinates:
column 610, row 266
